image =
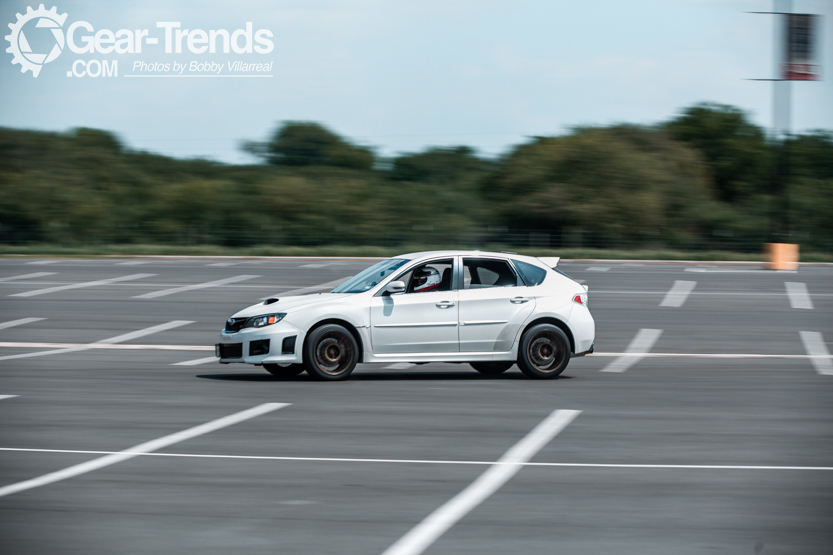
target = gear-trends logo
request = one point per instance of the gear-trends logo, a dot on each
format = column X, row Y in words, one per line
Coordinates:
column 20, row 49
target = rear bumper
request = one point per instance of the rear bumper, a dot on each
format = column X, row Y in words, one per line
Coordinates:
column 588, row 352
column 280, row 343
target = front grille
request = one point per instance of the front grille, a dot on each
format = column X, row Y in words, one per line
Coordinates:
column 231, row 350
column 235, row 324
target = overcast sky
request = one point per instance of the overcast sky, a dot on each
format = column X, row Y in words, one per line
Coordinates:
column 403, row 75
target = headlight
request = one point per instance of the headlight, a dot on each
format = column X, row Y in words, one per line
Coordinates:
column 265, row 320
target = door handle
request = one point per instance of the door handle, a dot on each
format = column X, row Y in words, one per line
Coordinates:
column 519, row 300
column 445, row 304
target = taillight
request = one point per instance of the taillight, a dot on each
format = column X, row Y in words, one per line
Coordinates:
column 580, row 298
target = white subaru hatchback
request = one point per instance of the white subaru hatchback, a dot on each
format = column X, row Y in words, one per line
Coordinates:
column 491, row 310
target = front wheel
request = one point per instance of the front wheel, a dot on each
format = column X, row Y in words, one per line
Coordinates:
column 544, row 352
column 492, row 368
column 330, row 353
column 284, row 370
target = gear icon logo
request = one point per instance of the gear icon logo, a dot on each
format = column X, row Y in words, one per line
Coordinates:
column 20, row 48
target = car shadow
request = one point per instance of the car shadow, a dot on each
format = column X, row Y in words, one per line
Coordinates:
column 380, row 376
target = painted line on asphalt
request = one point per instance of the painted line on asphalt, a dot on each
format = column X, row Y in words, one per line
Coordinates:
column 20, row 322
column 142, row 448
column 196, row 361
column 330, row 285
column 26, row 276
column 399, row 366
column 798, row 294
column 707, row 355
column 105, row 342
column 43, row 262
column 704, row 293
column 135, row 347
column 678, row 293
column 193, row 287
column 7, row 396
column 224, row 264
column 719, row 271
column 639, row 346
column 598, row 269
column 440, row 521
column 81, row 285
column 424, row 461
column 132, row 263
column 130, row 347
column 817, row 349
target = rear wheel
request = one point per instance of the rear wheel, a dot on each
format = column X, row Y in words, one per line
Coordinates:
column 330, row 353
column 284, row 370
column 544, row 352
column 492, row 368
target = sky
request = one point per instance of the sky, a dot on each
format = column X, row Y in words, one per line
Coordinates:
column 404, row 76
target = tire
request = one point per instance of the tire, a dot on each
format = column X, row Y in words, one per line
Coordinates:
column 492, row 368
column 544, row 352
column 284, row 370
column 330, row 353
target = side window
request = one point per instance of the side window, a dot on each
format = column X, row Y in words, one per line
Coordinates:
column 436, row 275
column 533, row 275
column 479, row 273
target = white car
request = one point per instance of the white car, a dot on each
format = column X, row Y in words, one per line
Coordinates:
column 491, row 310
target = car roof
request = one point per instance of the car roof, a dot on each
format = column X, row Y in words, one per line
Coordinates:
column 434, row 254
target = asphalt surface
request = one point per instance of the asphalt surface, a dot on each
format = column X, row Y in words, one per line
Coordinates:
column 736, row 453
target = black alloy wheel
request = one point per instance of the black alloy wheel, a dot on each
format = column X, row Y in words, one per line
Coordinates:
column 544, row 352
column 284, row 370
column 492, row 368
column 330, row 353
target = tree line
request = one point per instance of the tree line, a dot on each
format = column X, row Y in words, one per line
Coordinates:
column 706, row 179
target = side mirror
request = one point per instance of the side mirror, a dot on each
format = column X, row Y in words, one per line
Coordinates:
column 395, row 287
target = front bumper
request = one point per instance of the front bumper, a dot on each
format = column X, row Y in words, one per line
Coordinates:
column 278, row 343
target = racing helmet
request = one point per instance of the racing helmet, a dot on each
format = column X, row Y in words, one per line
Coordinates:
column 426, row 279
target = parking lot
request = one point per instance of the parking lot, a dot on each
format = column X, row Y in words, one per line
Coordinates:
column 702, row 423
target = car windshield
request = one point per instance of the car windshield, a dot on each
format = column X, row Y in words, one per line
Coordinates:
column 370, row 277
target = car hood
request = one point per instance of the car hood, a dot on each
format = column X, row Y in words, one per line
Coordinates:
column 290, row 304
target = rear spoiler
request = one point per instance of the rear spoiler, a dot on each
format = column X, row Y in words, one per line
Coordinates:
column 552, row 262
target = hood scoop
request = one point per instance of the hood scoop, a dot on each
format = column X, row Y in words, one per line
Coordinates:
column 270, row 300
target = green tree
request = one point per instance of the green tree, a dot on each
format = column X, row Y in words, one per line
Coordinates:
column 734, row 148
column 298, row 143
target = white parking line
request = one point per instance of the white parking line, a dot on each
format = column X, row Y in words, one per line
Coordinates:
column 81, row 285
column 105, row 342
column 132, row 263
column 637, row 349
column 719, row 271
column 678, row 293
column 27, row 276
column 817, row 349
column 223, row 264
column 146, row 447
column 798, row 294
column 130, row 347
column 20, row 322
column 437, row 523
column 7, row 396
column 43, row 262
column 196, row 362
column 428, row 461
column 398, row 366
column 598, row 268
column 193, row 287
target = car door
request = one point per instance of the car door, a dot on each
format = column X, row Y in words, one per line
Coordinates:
column 417, row 321
column 494, row 303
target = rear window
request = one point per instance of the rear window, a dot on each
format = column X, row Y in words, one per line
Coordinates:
column 533, row 275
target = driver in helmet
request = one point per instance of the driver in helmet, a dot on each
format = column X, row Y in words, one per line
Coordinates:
column 426, row 279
